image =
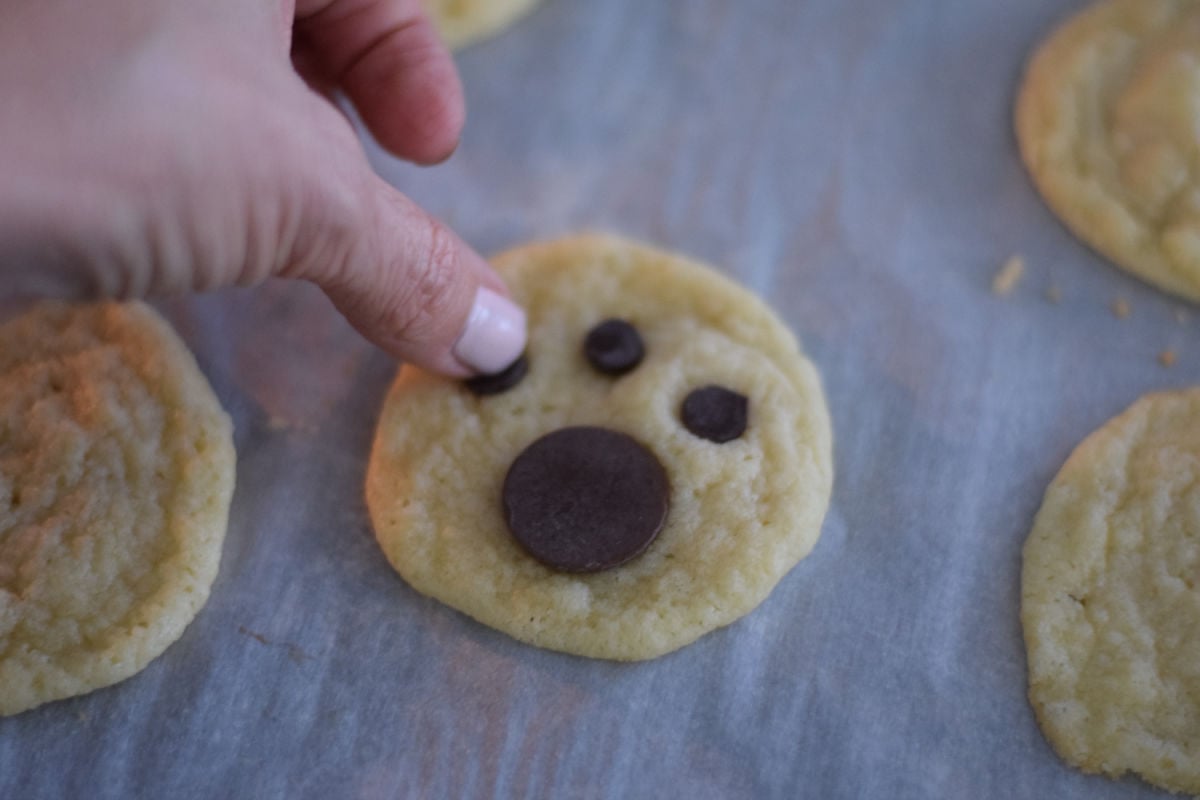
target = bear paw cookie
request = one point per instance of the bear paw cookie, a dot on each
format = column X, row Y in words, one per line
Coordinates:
column 654, row 465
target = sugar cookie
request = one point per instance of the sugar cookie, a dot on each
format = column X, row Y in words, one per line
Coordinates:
column 1107, row 126
column 116, row 470
column 468, row 490
column 1109, row 598
column 464, row 22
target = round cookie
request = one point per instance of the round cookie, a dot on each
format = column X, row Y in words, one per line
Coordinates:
column 1106, row 123
column 464, row 22
column 741, row 513
column 116, row 471
column 1109, row 599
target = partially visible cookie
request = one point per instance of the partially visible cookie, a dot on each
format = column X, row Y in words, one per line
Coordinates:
column 1110, row 597
column 116, row 471
column 1106, row 122
column 538, row 506
column 464, row 22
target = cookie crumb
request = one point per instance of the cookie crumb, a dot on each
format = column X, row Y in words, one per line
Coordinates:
column 1008, row 276
column 1054, row 294
column 1120, row 308
column 1166, row 357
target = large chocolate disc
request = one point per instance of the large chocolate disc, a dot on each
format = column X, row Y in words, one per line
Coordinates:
column 585, row 499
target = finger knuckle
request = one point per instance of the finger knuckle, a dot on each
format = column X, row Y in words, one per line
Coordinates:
column 422, row 312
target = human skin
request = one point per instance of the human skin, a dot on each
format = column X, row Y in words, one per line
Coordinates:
column 162, row 146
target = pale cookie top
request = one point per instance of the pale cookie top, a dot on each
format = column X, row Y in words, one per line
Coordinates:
column 464, row 22
column 742, row 513
column 1108, row 121
column 1109, row 600
column 116, row 470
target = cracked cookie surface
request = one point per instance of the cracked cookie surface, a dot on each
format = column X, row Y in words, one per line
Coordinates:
column 116, row 471
column 1109, row 598
column 742, row 513
column 1108, row 123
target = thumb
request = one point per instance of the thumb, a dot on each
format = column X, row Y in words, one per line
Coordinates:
column 410, row 285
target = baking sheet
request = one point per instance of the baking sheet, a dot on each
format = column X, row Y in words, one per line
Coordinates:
column 853, row 162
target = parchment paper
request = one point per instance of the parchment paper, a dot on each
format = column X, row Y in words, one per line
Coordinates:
column 853, row 162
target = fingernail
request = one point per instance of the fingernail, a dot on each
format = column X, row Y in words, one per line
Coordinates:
column 494, row 334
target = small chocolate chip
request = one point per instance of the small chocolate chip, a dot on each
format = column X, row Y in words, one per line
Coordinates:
column 584, row 499
column 715, row 413
column 501, row 381
column 614, row 347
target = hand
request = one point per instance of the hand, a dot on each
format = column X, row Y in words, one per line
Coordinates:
column 153, row 146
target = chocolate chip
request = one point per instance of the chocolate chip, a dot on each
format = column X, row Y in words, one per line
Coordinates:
column 614, row 347
column 585, row 499
column 715, row 413
column 501, row 381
